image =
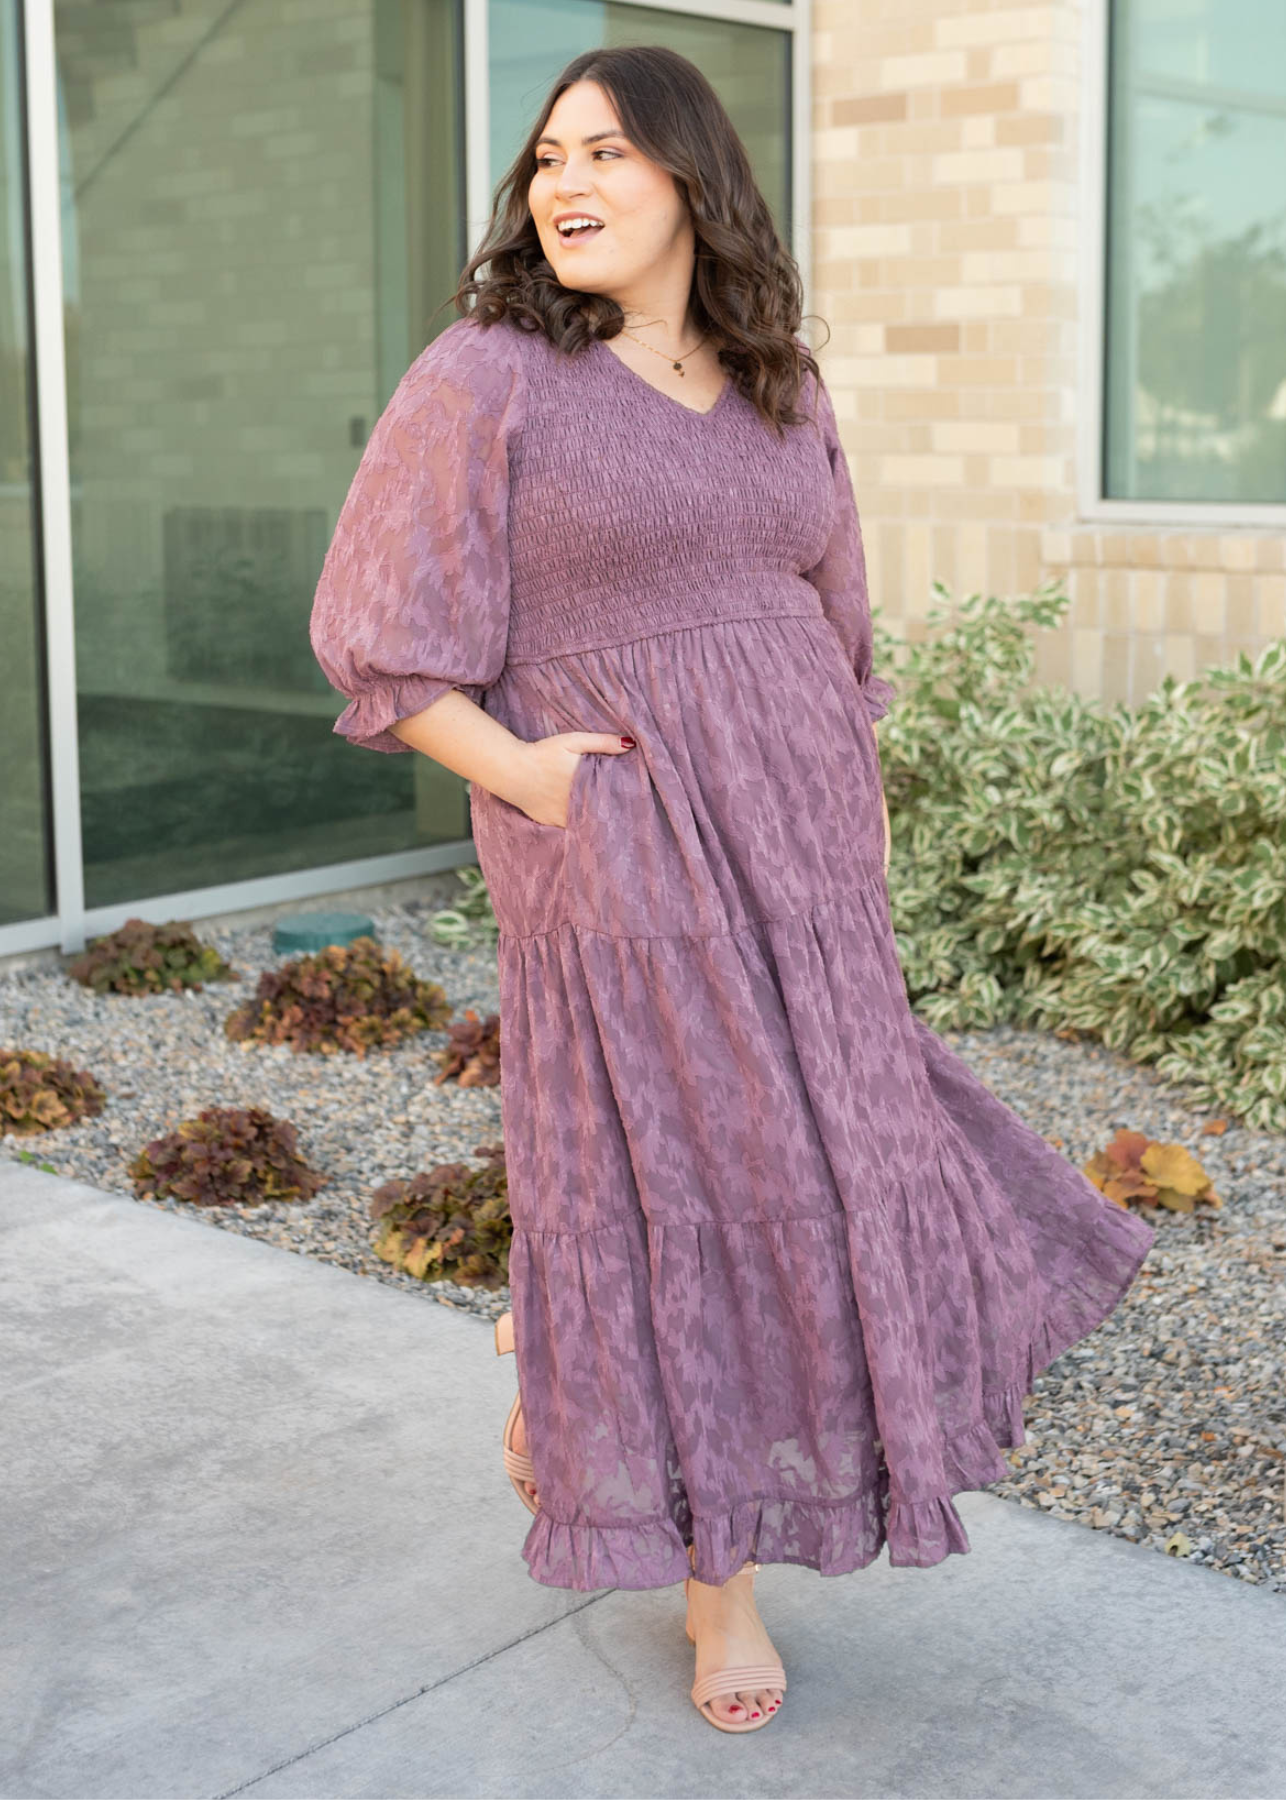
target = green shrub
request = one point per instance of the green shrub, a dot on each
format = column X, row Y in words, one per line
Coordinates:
column 1114, row 872
column 226, row 1157
column 472, row 1052
column 450, row 1224
column 352, row 997
column 43, row 1093
column 149, row 959
column 472, row 920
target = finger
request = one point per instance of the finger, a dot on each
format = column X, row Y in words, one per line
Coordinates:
column 601, row 741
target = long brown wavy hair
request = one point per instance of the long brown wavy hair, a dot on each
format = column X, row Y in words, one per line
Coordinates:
column 746, row 287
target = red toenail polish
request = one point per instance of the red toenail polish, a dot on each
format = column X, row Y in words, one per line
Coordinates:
column 754, row 1715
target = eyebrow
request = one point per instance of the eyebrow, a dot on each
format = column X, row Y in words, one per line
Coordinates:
column 593, row 138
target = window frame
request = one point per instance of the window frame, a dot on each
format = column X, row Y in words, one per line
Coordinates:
column 1094, row 506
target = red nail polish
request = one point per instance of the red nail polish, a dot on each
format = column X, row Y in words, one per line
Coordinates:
column 628, row 742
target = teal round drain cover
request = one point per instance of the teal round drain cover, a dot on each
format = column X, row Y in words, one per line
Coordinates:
column 305, row 932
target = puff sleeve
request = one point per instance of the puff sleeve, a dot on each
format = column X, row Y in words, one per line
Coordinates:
column 840, row 576
column 413, row 597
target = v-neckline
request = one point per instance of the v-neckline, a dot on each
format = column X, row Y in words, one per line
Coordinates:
column 693, row 412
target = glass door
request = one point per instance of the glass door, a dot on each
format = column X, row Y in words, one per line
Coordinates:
column 263, row 215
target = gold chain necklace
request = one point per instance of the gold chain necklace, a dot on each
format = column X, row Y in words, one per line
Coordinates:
column 675, row 362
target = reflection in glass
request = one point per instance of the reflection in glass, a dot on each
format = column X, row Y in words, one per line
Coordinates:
column 263, row 215
column 1196, row 294
column 25, row 887
column 748, row 66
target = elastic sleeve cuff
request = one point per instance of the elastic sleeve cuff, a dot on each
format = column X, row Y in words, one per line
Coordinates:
column 366, row 720
column 879, row 695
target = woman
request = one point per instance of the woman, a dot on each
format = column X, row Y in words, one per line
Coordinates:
column 783, row 1269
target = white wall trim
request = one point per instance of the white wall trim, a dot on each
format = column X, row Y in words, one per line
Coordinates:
column 801, row 145
column 477, row 122
column 1177, row 515
column 773, row 13
column 1091, row 361
column 54, row 464
column 32, row 934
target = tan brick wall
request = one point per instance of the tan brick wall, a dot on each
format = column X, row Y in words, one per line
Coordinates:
column 948, row 227
column 1148, row 603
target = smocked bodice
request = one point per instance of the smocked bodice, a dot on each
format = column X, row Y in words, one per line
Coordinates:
column 630, row 513
column 516, row 502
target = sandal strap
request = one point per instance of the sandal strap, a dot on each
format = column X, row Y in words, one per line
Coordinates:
column 518, row 1464
column 746, row 1675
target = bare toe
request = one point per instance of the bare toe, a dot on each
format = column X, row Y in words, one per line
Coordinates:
column 740, row 1638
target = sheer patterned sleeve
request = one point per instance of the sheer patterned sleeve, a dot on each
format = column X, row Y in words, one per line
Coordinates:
column 413, row 598
column 840, row 576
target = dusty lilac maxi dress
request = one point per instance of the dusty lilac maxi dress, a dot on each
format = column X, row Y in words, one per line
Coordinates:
column 783, row 1268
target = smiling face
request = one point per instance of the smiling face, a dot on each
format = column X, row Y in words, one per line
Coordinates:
column 609, row 220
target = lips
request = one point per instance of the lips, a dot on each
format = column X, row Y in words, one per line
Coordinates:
column 577, row 228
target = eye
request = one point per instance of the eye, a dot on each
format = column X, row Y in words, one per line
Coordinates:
column 543, row 161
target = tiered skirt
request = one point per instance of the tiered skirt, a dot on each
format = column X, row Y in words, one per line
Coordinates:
column 783, row 1268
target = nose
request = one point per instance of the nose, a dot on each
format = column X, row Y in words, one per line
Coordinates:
column 571, row 182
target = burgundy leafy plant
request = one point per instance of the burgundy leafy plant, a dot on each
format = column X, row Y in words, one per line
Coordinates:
column 351, row 997
column 41, row 1093
column 226, row 1157
column 472, row 1052
column 450, row 1224
column 149, row 959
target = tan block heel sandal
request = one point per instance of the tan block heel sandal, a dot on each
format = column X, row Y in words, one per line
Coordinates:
column 517, row 1465
column 742, row 1677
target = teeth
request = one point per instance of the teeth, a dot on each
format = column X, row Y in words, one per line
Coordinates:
column 566, row 225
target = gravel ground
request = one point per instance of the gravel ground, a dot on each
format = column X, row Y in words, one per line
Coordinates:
column 1167, row 1426
column 361, row 1120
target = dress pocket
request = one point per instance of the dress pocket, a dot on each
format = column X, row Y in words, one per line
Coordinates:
column 576, row 793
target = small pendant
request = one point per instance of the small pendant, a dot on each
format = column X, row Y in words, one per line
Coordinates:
column 679, row 366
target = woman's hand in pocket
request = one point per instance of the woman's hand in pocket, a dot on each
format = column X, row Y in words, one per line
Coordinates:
column 549, row 768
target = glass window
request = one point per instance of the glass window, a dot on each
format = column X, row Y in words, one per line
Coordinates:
column 264, row 213
column 748, row 65
column 25, row 885
column 1196, row 282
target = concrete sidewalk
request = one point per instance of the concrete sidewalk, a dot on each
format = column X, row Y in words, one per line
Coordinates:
column 258, row 1540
